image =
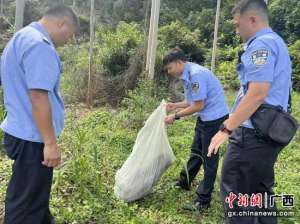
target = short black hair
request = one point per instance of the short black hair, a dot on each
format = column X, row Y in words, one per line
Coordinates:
column 174, row 54
column 63, row 11
column 244, row 6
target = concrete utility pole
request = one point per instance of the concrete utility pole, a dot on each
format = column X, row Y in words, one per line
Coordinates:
column 19, row 17
column 214, row 52
column 92, row 37
column 152, row 39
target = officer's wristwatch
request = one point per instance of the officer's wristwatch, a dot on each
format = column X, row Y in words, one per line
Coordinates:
column 176, row 117
column 224, row 129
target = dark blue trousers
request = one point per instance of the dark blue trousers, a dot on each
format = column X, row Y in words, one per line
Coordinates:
column 204, row 132
column 248, row 168
column 28, row 192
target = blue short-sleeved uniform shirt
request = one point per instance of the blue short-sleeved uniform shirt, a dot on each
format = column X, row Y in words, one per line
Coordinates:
column 30, row 61
column 200, row 84
column 266, row 59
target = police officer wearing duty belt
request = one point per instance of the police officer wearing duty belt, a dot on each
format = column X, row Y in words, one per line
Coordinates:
column 204, row 96
column 265, row 76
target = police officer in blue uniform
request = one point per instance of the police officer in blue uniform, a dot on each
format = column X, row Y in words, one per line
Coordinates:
column 204, row 96
column 30, row 76
column 265, row 76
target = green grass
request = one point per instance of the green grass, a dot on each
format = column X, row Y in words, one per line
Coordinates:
column 96, row 145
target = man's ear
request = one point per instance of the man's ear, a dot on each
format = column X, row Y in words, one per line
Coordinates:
column 253, row 19
column 60, row 23
column 181, row 63
column 178, row 61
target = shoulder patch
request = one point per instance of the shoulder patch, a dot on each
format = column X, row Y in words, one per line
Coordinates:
column 195, row 87
column 259, row 57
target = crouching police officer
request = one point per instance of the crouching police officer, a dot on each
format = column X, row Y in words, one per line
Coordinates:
column 203, row 95
column 265, row 76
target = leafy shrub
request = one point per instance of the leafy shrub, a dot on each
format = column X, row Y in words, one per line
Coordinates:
column 115, row 47
column 112, row 52
column 177, row 34
column 227, row 75
column 139, row 104
column 294, row 50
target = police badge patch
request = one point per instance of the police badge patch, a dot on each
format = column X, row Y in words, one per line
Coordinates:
column 195, row 87
column 260, row 57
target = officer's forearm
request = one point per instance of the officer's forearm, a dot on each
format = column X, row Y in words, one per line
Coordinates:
column 182, row 104
column 42, row 114
column 254, row 97
column 191, row 109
